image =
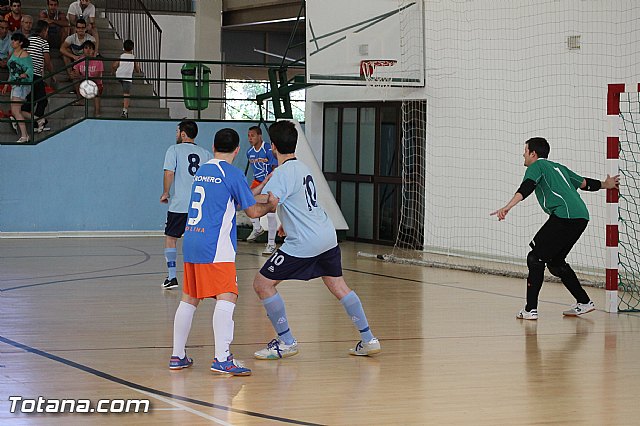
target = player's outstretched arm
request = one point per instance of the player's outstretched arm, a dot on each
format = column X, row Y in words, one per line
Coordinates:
column 262, row 207
column 502, row 213
column 610, row 182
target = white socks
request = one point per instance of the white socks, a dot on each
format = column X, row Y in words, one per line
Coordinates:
column 223, row 328
column 273, row 227
column 181, row 328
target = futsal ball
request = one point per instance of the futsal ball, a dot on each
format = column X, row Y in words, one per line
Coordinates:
column 88, row 89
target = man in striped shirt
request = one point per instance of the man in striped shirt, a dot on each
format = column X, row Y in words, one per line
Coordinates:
column 39, row 51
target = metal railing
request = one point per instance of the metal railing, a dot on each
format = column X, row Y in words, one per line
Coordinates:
column 182, row 83
column 132, row 20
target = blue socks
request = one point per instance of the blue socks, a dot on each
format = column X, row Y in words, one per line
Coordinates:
column 353, row 306
column 276, row 312
column 171, row 255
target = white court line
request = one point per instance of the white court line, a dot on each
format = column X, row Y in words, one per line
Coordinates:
column 183, row 407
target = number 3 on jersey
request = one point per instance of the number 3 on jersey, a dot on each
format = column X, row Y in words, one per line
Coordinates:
column 197, row 205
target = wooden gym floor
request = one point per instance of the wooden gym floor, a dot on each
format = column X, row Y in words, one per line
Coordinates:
column 86, row 318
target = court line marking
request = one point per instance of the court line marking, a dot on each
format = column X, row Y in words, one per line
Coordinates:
column 183, row 407
column 139, row 387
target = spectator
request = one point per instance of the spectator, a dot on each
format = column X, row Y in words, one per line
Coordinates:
column 5, row 6
column 124, row 69
column 39, row 51
column 15, row 16
column 26, row 26
column 83, row 9
column 72, row 49
column 58, row 24
column 21, row 74
column 90, row 69
column 5, row 44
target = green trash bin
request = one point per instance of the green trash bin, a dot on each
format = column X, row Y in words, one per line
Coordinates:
column 195, row 85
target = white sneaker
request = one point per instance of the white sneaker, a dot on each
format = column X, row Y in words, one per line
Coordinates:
column 527, row 315
column 579, row 309
column 254, row 235
column 276, row 349
column 269, row 249
column 372, row 347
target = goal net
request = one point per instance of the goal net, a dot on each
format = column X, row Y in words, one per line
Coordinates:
column 496, row 76
column 629, row 204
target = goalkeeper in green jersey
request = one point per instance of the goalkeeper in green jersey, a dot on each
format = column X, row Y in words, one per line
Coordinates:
column 556, row 188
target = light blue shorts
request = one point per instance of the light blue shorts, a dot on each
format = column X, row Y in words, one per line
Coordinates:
column 20, row 91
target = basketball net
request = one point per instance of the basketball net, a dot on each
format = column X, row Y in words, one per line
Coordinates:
column 368, row 72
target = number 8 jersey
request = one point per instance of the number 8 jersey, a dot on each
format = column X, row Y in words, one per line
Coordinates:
column 210, row 234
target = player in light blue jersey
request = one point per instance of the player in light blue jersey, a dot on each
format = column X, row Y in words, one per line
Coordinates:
column 262, row 162
column 310, row 249
column 181, row 162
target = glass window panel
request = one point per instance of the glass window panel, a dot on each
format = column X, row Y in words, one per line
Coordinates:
column 348, row 205
column 388, row 195
column 349, row 134
column 367, row 140
column 330, row 160
column 365, row 211
column 334, row 188
column 388, row 141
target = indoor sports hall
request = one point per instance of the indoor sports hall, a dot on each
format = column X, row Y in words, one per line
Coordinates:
column 412, row 116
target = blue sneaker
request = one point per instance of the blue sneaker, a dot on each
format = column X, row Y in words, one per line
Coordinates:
column 230, row 366
column 176, row 363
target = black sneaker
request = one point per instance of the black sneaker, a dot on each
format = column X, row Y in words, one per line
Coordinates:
column 170, row 283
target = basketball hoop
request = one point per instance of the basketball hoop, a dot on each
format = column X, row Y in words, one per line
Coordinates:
column 368, row 68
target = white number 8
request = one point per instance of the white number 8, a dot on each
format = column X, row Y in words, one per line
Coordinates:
column 197, row 205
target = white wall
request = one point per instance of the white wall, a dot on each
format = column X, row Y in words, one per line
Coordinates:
column 498, row 73
column 178, row 42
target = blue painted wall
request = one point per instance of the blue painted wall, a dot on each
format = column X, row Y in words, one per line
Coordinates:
column 97, row 176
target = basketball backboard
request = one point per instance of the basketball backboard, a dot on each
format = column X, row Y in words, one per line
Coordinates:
column 341, row 34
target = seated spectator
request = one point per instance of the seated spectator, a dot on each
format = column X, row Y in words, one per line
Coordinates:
column 26, row 26
column 71, row 48
column 83, row 9
column 15, row 16
column 5, row 44
column 58, row 24
column 90, row 69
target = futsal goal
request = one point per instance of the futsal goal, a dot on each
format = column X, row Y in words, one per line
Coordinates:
column 487, row 91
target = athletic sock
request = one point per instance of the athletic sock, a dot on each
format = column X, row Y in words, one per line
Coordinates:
column 181, row 328
column 223, row 328
column 276, row 312
column 171, row 254
column 273, row 227
column 353, row 306
column 256, row 224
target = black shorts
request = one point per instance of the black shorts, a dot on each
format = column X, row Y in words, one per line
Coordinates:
column 282, row 266
column 176, row 222
column 556, row 238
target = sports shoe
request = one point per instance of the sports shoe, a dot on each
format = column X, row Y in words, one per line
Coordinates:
column 372, row 347
column 254, row 235
column 125, row 114
column 23, row 139
column 579, row 309
column 176, row 363
column 14, row 124
column 269, row 249
column 42, row 125
column 277, row 349
column 527, row 315
column 170, row 283
column 230, row 366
